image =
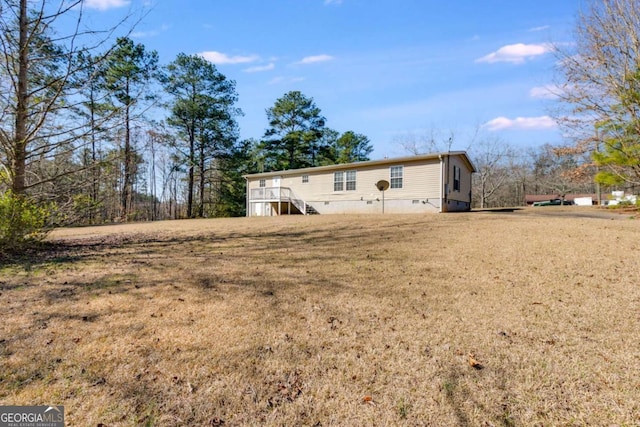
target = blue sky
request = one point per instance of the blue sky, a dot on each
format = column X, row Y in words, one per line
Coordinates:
column 391, row 70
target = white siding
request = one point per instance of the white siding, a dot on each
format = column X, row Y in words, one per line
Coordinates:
column 421, row 190
column 458, row 200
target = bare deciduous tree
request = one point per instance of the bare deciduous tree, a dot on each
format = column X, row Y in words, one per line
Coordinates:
column 430, row 141
column 492, row 157
column 38, row 92
column 601, row 87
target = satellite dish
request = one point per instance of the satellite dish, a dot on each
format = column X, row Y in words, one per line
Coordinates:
column 382, row 185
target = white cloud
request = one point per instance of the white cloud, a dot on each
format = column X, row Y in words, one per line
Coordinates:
column 540, row 28
column 520, row 123
column 314, row 59
column 546, row 92
column 105, row 4
column 144, row 34
column 516, row 53
column 223, row 58
column 260, row 68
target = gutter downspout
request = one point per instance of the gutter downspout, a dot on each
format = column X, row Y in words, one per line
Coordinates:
column 447, row 187
column 248, row 198
column 470, row 190
column 441, row 183
column 444, row 186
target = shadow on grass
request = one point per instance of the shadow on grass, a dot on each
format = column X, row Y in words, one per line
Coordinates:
column 118, row 264
column 499, row 210
column 68, row 252
column 465, row 407
column 41, row 253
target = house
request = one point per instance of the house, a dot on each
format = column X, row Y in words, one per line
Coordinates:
column 439, row 182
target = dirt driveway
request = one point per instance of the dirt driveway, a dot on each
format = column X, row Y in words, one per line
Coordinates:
column 567, row 211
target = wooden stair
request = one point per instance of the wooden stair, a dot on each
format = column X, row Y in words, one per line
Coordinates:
column 312, row 211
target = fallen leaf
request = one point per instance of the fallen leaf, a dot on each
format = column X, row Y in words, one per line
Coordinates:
column 473, row 362
column 368, row 400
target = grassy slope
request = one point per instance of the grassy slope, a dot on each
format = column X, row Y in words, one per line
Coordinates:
column 330, row 320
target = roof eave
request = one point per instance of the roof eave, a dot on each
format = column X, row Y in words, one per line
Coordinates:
column 431, row 156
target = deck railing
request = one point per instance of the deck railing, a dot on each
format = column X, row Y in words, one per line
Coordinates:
column 271, row 194
column 278, row 194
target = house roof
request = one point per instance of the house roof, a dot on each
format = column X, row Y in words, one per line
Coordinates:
column 382, row 162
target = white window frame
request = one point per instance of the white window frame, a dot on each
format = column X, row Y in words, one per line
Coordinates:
column 338, row 181
column 305, row 179
column 350, row 180
column 262, row 183
column 396, row 179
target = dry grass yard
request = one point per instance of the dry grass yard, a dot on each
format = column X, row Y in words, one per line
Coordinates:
column 331, row 321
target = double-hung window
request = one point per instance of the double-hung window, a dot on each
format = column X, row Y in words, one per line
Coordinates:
column 397, row 176
column 338, row 181
column 351, row 180
column 344, row 181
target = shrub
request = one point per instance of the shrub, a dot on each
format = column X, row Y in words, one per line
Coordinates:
column 626, row 204
column 22, row 222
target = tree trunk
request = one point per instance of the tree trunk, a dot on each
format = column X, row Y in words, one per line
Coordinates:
column 175, row 198
column 192, row 159
column 127, row 184
column 94, row 156
column 202, row 181
column 20, row 137
column 154, row 205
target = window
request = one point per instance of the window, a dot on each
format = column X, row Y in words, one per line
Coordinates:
column 456, row 178
column 397, row 173
column 263, row 183
column 305, row 179
column 351, row 180
column 338, row 181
